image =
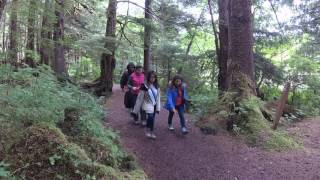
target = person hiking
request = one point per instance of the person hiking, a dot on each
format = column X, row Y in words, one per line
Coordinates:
column 149, row 100
column 176, row 99
column 135, row 81
column 124, row 85
column 125, row 76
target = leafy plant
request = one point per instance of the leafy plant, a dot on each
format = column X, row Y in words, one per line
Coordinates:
column 4, row 173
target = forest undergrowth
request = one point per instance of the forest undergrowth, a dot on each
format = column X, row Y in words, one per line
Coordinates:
column 52, row 130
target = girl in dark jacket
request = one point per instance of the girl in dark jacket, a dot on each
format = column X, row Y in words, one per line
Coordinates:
column 176, row 98
column 124, row 85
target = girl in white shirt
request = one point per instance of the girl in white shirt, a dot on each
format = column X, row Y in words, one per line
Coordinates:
column 149, row 100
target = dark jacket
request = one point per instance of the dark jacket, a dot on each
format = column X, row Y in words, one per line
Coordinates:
column 124, row 79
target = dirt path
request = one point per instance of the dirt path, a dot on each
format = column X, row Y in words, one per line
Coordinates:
column 199, row 157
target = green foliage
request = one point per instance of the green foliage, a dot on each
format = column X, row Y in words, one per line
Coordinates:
column 270, row 93
column 202, row 102
column 252, row 122
column 257, row 129
column 33, row 99
column 4, row 172
column 306, row 100
column 281, row 141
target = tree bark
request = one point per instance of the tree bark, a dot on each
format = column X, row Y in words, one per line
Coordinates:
column 31, row 34
column 107, row 63
column 222, row 51
column 4, row 35
column 282, row 102
column 46, row 35
column 241, row 70
column 59, row 61
column 13, row 37
column 2, row 5
column 147, row 36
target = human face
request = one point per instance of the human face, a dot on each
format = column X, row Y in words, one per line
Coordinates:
column 131, row 68
column 152, row 78
column 177, row 82
column 139, row 70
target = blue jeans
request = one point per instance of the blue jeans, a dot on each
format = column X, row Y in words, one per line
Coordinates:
column 180, row 110
column 150, row 120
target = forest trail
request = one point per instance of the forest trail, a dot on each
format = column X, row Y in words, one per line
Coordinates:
column 196, row 156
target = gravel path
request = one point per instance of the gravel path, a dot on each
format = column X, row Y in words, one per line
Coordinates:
column 196, row 156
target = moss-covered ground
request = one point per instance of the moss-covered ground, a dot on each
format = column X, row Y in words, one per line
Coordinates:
column 52, row 130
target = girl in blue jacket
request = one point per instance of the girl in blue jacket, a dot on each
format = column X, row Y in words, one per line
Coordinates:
column 176, row 98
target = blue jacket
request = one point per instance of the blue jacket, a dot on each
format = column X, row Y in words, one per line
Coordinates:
column 172, row 94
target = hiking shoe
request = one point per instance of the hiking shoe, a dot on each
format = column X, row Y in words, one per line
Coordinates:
column 153, row 136
column 143, row 123
column 171, row 128
column 149, row 135
column 184, row 130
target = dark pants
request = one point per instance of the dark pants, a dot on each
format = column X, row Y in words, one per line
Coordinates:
column 142, row 115
column 180, row 110
column 150, row 120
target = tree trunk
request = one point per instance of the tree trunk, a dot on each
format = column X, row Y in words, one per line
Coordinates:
column 46, row 35
column 4, row 35
column 2, row 5
column 190, row 44
column 59, row 61
column 13, row 39
column 147, row 36
column 31, row 34
column 241, row 70
column 223, row 45
column 107, row 63
column 282, row 102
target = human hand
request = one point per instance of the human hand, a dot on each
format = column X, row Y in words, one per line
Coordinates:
column 174, row 111
column 135, row 88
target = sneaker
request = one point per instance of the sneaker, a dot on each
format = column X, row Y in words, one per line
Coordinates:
column 143, row 123
column 184, row 130
column 148, row 134
column 171, row 128
column 153, row 136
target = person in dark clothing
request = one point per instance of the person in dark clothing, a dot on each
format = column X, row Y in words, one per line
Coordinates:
column 124, row 85
column 125, row 76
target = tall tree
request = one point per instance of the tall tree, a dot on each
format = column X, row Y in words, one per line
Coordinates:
column 223, row 44
column 107, row 62
column 46, row 34
column 241, row 70
column 58, row 37
column 31, row 34
column 147, row 36
column 2, row 5
column 13, row 37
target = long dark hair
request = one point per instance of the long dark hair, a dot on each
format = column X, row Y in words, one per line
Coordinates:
column 149, row 74
column 178, row 76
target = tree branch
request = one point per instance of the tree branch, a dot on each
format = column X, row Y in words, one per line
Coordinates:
column 151, row 12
